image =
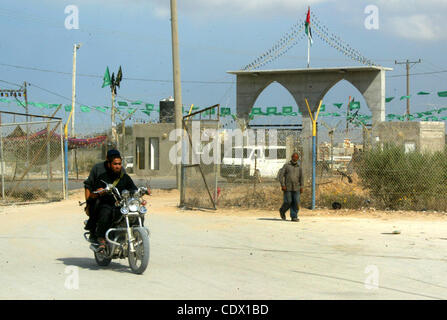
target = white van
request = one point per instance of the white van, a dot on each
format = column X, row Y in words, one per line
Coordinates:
column 253, row 161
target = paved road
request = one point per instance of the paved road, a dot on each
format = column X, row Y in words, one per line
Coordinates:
column 205, row 255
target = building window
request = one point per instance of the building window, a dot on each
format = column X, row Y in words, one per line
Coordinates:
column 139, row 144
column 154, row 154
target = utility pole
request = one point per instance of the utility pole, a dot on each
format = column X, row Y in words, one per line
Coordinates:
column 177, row 83
column 114, row 134
column 408, row 66
column 25, row 93
column 73, row 101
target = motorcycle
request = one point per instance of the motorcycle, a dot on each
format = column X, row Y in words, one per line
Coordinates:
column 127, row 237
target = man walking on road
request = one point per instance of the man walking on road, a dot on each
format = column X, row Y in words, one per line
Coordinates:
column 291, row 179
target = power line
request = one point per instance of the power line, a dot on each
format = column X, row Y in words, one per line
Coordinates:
column 14, row 84
column 418, row 74
column 100, row 77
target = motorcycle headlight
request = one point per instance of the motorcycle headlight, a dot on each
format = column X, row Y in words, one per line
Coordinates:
column 134, row 205
column 142, row 210
column 124, row 210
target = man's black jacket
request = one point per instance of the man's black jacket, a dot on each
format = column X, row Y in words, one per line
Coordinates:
column 125, row 183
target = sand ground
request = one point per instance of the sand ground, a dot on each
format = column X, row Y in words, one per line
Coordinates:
column 228, row 254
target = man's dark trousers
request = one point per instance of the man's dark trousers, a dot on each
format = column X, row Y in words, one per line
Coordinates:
column 107, row 214
column 291, row 201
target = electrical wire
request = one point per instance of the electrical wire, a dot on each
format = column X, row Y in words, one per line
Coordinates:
column 124, row 78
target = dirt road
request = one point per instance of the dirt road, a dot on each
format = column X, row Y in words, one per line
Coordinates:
column 228, row 254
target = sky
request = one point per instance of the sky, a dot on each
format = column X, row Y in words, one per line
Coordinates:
column 215, row 36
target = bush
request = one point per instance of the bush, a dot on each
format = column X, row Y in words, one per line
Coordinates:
column 399, row 180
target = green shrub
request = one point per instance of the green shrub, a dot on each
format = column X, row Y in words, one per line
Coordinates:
column 399, row 180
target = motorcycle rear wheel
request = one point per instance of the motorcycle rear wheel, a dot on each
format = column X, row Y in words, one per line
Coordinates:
column 139, row 259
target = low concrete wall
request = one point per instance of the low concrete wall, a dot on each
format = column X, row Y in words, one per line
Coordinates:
column 426, row 136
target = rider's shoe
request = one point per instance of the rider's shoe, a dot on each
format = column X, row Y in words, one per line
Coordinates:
column 102, row 244
column 92, row 238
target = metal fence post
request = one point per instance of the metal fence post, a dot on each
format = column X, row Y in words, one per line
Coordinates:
column 63, row 163
column 66, row 166
column 48, row 158
column 314, row 148
column 2, row 161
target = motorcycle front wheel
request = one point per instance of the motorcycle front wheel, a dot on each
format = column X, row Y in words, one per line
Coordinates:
column 139, row 259
column 101, row 259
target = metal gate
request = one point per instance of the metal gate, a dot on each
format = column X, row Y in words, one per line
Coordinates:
column 199, row 177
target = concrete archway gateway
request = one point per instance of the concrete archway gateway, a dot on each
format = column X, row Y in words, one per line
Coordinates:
column 312, row 84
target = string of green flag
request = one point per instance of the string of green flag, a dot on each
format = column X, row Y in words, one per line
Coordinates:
column 354, row 106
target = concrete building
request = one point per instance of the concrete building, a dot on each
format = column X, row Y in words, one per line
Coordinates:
column 421, row 136
column 152, row 146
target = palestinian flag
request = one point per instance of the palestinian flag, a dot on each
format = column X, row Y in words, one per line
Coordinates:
column 307, row 24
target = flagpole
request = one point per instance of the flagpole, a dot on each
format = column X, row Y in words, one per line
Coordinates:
column 308, row 51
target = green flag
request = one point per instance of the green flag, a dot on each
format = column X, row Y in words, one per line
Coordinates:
column 442, row 94
column 101, row 109
column 225, row 112
column 389, row 99
column 338, row 105
column 106, row 79
column 272, row 111
column 405, row 97
column 85, row 109
column 123, row 104
column 419, row 115
column 354, row 105
column 323, row 108
column 288, row 111
column 423, row 93
column 257, row 112
column 67, row 107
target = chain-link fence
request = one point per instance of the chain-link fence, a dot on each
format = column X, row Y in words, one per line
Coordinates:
column 31, row 158
column 393, row 165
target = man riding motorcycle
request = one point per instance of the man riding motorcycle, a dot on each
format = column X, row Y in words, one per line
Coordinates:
column 102, row 208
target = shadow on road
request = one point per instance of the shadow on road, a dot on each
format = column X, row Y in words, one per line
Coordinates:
column 90, row 264
column 270, row 219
